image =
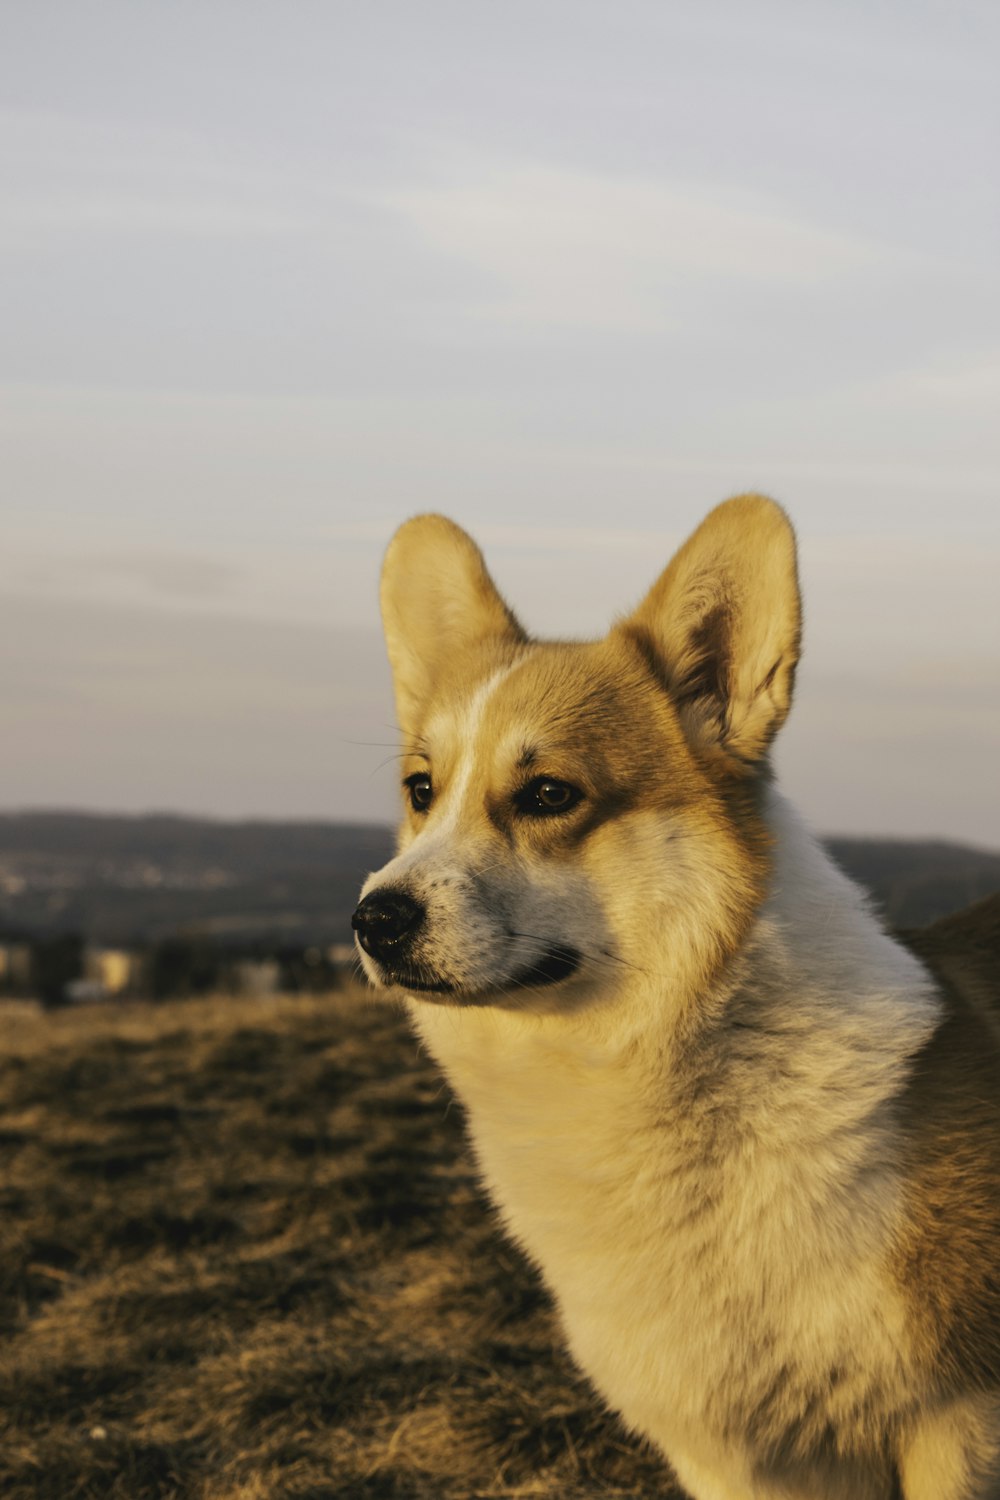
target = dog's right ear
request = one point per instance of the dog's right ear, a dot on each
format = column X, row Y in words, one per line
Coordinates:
column 437, row 599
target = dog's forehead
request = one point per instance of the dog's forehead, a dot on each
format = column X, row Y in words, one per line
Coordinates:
column 562, row 697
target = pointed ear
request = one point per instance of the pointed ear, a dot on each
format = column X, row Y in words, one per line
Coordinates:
column 437, row 599
column 722, row 627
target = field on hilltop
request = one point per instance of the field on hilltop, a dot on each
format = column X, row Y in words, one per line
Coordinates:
column 244, row 1257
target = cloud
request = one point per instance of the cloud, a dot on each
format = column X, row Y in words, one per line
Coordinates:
column 82, row 178
column 137, row 708
column 972, row 381
column 186, row 576
column 579, row 249
column 34, row 216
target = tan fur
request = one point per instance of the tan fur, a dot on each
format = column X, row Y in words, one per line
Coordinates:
column 752, row 1143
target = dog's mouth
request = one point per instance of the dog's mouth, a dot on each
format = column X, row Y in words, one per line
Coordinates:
column 425, row 985
column 554, row 965
column 551, row 967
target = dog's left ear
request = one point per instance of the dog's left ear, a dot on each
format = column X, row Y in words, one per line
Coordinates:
column 722, row 627
column 437, row 600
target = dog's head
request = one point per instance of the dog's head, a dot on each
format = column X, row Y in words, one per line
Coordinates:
column 580, row 815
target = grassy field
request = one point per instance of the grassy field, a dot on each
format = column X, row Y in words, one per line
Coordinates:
column 244, row 1255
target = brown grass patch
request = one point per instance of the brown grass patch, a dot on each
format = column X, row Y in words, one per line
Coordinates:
column 244, row 1255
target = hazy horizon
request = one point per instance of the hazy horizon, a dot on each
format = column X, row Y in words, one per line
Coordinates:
column 270, row 282
column 346, row 821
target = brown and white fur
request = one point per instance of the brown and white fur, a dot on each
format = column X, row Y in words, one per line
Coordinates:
column 752, row 1143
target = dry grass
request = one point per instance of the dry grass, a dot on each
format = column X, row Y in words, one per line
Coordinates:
column 244, row 1255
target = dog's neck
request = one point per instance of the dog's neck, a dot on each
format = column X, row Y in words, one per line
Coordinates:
column 817, row 938
column 818, row 1017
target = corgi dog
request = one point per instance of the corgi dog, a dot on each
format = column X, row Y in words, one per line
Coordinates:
column 751, row 1141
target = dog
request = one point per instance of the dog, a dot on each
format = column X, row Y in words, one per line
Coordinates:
column 751, row 1140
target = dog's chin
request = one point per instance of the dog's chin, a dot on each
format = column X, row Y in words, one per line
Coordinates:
column 553, row 966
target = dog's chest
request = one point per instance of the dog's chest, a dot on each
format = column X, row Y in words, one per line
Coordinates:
column 693, row 1272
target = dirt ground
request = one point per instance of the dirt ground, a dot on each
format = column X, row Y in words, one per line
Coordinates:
column 244, row 1255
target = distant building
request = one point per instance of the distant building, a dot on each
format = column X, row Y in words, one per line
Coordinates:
column 340, row 954
column 83, row 991
column 110, row 971
column 257, row 976
column 15, row 967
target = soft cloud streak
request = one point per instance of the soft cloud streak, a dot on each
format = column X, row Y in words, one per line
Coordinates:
column 66, row 177
column 583, row 250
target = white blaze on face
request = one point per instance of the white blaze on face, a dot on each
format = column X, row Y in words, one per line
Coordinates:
column 465, row 730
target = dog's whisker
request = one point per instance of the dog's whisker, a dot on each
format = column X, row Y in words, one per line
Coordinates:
column 418, row 741
column 383, row 763
column 600, row 956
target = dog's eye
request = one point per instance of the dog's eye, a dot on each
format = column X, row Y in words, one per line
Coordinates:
column 547, row 798
column 420, row 789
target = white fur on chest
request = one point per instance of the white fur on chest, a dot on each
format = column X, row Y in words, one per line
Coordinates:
column 715, row 1226
column 690, row 1265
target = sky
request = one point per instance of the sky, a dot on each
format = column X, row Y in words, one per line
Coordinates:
column 274, row 277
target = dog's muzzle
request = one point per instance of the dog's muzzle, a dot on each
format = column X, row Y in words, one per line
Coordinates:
column 390, row 924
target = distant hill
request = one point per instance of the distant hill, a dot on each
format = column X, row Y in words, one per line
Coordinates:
column 120, row 879
column 917, row 881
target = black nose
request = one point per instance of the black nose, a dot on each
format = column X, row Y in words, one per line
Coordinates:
column 384, row 919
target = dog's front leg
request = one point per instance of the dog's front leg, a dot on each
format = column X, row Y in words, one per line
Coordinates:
column 730, row 1478
column 953, row 1453
column 712, row 1481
